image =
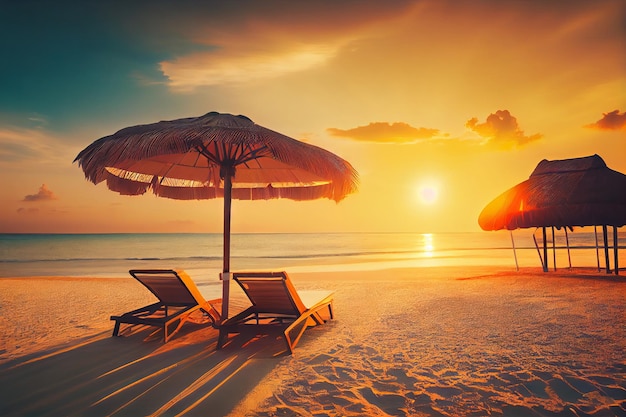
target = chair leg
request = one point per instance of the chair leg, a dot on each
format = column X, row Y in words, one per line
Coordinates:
column 213, row 315
column 116, row 329
column 299, row 326
column 222, row 338
column 168, row 334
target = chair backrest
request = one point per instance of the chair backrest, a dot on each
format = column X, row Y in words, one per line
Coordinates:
column 171, row 287
column 270, row 292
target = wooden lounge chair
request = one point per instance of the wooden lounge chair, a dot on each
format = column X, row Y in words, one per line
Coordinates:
column 276, row 304
column 178, row 299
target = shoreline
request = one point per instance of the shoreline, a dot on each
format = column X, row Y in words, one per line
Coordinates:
column 201, row 255
column 434, row 340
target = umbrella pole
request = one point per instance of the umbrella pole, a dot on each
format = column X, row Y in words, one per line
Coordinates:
column 228, row 187
column 514, row 251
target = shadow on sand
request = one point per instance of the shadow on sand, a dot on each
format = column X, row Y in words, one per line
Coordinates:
column 138, row 375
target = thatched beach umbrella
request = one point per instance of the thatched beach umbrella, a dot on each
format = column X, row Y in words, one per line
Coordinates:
column 562, row 193
column 213, row 156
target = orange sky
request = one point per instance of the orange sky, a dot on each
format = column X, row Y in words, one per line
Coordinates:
column 466, row 97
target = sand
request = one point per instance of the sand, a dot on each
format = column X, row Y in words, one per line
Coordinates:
column 404, row 342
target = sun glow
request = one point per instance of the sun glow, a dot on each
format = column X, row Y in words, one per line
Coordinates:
column 428, row 193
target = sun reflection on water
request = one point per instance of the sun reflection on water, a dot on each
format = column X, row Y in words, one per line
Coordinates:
column 427, row 247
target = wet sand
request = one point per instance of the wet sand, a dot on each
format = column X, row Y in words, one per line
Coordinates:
column 417, row 342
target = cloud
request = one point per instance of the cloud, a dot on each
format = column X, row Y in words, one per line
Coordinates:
column 501, row 130
column 610, row 121
column 384, row 132
column 29, row 210
column 262, row 40
column 44, row 194
column 215, row 68
column 19, row 145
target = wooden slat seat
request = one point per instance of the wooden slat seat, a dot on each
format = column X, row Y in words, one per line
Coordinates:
column 276, row 303
column 178, row 299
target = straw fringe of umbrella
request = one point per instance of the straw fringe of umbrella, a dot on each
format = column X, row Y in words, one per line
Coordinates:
column 212, row 140
column 216, row 156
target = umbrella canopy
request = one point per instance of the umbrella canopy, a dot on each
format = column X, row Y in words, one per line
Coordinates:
column 561, row 193
column 213, row 156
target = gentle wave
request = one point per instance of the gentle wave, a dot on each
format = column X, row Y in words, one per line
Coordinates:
column 114, row 254
column 293, row 256
column 17, row 261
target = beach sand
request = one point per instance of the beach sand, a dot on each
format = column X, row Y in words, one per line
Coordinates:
column 449, row 341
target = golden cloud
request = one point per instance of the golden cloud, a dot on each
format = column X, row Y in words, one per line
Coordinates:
column 610, row 121
column 384, row 132
column 263, row 41
column 44, row 194
column 222, row 67
column 501, row 130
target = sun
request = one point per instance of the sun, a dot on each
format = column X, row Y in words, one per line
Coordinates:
column 428, row 193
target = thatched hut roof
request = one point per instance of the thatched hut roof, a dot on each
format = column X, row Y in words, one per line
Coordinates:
column 561, row 193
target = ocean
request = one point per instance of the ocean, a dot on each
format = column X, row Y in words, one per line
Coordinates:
column 112, row 255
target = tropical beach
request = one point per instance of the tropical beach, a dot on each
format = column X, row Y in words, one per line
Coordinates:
column 447, row 341
column 452, row 172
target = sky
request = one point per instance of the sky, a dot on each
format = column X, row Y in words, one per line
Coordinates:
column 440, row 105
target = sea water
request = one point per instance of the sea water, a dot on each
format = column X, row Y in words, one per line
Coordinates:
column 112, row 255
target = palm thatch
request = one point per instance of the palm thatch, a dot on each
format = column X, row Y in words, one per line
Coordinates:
column 216, row 156
column 189, row 158
column 561, row 193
